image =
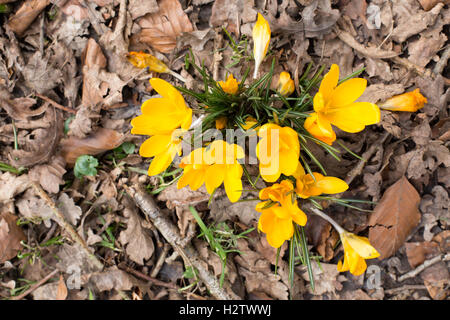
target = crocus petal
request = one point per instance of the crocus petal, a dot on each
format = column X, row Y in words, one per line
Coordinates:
column 261, row 39
column 168, row 91
column 283, row 230
column 161, row 162
column 329, row 82
column 288, row 162
column 233, row 187
column 147, row 125
column 155, row 145
column 331, row 185
column 409, row 101
column 354, row 117
column 215, row 175
column 347, row 92
column 299, row 217
column 362, row 246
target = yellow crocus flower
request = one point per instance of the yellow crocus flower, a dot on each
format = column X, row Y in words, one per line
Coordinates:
column 306, row 186
column 279, row 212
column 261, row 39
column 335, row 105
column 165, row 119
column 316, row 131
column 356, row 251
column 409, row 101
column 143, row 60
column 278, row 151
column 285, row 84
column 250, row 123
column 214, row 165
column 230, row 86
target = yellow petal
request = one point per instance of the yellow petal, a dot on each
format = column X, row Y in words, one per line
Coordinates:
column 168, row 91
column 329, row 82
column 144, row 60
column 221, row 123
column 266, row 221
column 409, row 101
column 315, row 130
column 161, row 162
column 299, row 217
column 299, row 172
column 261, row 39
column 148, row 125
column 233, row 187
column 288, row 162
column 215, row 175
column 347, row 92
column 361, row 245
column 282, row 231
column 230, row 86
column 155, row 145
column 354, row 117
column 331, row 185
column 285, row 84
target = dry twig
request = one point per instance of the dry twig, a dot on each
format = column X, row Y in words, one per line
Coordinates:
column 169, row 231
column 423, row 266
column 36, row 285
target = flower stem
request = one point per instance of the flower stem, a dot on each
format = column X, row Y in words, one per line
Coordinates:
column 326, row 217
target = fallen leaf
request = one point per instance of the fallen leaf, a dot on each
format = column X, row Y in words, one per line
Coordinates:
column 325, row 278
column 61, row 292
column 47, row 291
column 100, row 87
column 49, row 175
column 11, row 185
column 410, row 20
column 223, row 210
column 71, row 212
column 322, row 236
column 41, row 74
column 39, row 145
column 418, row 252
column 139, row 245
column 269, row 284
column 429, row 4
column 35, row 209
column 425, row 48
column 139, row 8
column 112, row 278
column 161, row 29
column 435, row 207
column 100, row 141
column 26, row 14
column 394, row 217
column 436, row 279
column 20, row 108
column 10, row 237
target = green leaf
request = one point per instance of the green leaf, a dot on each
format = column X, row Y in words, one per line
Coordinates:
column 128, row 147
column 189, row 273
column 85, row 166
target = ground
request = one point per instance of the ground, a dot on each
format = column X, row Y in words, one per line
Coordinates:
column 104, row 229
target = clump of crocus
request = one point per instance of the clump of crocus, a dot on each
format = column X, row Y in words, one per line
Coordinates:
column 278, row 212
column 409, row 101
column 285, row 84
column 230, row 86
column 166, row 120
column 261, row 39
column 278, row 151
column 335, row 105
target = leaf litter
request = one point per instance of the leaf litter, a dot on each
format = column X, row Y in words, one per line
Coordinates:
column 74, row 56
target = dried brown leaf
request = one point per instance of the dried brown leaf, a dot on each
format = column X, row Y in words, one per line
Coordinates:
column 61, row 292
column 112, row 279
column 20, row 108
column 322, row 236
column 10, row 236
column 429, row 4
column 11, row 185
column 26, row 14
column 49, row 175
column 161, row 29
column 98, row 142
column 38, row 146
column 418, row 252
column 394, row 217
column 139, row 8
column 139, row 245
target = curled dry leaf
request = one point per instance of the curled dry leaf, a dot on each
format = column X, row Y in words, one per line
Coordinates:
column 161, row 29
column 10, row 236
column 321, row 234
column 61, row 292
column 98, row 142
column 40, row 144
column 26, row 14
column 394, row 217
column 20, row 108
column 418, row 252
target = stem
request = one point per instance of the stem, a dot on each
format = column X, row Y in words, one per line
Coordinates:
column 321, row 214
